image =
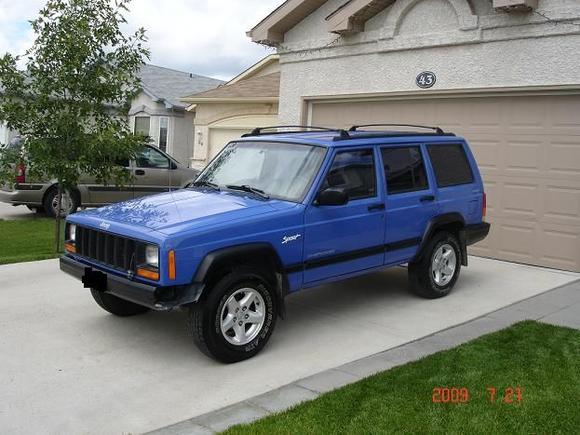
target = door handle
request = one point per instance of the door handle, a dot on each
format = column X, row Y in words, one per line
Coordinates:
column 377, row 207
column 428, row 198
column 139, row 172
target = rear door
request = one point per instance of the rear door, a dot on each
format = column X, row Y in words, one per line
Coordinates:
column 344, row 239
column 152, row 172
column 107, row 194
column 411, row 200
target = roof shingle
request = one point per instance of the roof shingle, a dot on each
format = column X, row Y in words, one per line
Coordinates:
column 266, row 86
column 170, row 85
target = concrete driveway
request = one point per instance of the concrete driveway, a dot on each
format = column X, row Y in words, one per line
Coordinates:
column 66, row 366
column 8, row 211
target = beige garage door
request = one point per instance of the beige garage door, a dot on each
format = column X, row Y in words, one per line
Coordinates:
column 220, row 137
column 528, row 150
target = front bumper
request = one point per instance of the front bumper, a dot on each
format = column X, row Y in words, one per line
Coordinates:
column 476, row 233
column 155, row 298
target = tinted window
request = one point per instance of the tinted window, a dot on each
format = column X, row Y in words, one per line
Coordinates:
column 404, row 169
column 151, row 158
column 353, row 171
column 450, row 165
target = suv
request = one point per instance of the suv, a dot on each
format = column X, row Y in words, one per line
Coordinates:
column 154, row 172
column 276, row 213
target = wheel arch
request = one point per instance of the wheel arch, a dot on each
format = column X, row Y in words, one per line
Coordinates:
column 262, row 255
column 452, row 222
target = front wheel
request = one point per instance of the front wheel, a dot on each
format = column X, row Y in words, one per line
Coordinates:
column 69, row 203
column 436, row 274
column 236, row 319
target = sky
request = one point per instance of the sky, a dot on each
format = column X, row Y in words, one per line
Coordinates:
column 206, row 37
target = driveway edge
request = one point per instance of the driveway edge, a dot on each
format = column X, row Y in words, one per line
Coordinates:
column 559, row 306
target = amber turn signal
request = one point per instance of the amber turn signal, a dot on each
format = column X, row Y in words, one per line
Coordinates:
column 148, row 274
column 70, row 247
column 172, row 273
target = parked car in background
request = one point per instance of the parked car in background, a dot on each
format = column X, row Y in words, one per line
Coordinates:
column 276, row 213
column 154, row 172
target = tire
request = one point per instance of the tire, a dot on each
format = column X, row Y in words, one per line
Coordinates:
column 117, row 306
column 209, row 317
column 49, row 204
column 425, row 281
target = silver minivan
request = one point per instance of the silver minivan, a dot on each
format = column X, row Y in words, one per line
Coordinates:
column 153, row 172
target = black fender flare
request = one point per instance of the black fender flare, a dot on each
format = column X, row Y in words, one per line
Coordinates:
column 439, row 222
column 245, row 251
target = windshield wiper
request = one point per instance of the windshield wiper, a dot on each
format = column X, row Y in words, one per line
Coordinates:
column 205, row 184
column 249, row 189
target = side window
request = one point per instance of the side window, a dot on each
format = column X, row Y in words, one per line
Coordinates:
column 353, row 171
column 151, row 158
column 404, row 169
column 450, row 165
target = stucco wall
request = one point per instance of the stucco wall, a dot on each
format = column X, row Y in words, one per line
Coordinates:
column 232, row 116
column 467, row 44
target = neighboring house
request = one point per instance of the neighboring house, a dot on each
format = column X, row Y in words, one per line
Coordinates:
column 223, row 114
column 158, row 112
column 503, row 73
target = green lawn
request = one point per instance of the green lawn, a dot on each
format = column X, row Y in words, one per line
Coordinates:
column 26, row 240
column 543, row 360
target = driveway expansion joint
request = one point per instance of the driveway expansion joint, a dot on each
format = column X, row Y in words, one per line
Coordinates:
column 568, row 296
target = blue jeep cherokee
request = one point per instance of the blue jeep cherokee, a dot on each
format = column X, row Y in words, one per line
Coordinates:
column 277, row 212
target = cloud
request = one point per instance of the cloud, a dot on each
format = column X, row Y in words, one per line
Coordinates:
column 201, row 36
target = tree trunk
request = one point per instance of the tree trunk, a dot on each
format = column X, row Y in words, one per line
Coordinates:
column 57, row 221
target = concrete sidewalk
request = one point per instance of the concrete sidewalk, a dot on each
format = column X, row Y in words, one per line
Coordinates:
column 66, row 366
column 559, row 307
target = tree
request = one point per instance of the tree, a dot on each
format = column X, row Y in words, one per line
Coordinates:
column 70, row 101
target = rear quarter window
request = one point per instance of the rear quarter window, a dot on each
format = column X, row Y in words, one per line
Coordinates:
column 450, row 165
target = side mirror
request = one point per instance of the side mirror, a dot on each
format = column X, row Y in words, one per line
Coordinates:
column 332, row 196
column 172, row 165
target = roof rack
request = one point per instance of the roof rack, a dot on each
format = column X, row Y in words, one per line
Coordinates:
column 303, row 129
column 437, row 130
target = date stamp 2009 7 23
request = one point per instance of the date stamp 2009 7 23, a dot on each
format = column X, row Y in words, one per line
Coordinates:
column 508, row 395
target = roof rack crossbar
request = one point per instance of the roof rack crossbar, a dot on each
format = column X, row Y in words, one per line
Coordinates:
column 304, row 129
column 438, row 130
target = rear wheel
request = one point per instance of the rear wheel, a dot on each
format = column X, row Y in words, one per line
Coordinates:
column 435, row 275
column 236, row 319
column 117, row 306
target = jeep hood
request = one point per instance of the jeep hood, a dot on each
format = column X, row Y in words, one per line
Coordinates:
column 161, row 212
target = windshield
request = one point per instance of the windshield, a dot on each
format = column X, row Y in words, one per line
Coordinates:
column 279, row 170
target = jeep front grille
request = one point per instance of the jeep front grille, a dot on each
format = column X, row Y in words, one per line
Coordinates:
column 113, row 251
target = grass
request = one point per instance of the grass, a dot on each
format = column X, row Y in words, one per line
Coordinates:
column 543, row 360
column 26, row 240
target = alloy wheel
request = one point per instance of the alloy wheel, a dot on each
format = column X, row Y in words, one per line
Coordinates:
column 443, row 265
column 243, row 316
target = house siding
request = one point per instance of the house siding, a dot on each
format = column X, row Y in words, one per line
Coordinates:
column 467, row 44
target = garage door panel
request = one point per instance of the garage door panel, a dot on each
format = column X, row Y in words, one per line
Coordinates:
column 520, row 200
column 528, row 151
column 487, row 153
column 564, row 158
column 563, row 203
column 524, row 157
column 561, row 246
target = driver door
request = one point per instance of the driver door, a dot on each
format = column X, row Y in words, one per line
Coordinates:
column 349, row 238
column 152, row 172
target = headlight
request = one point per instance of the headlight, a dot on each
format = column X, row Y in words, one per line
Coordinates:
column 152, row 256
column 72, row 233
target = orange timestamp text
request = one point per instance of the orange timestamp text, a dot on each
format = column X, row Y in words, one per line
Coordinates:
column 508, row 395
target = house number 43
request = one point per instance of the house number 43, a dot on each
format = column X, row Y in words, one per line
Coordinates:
column 426, row 80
